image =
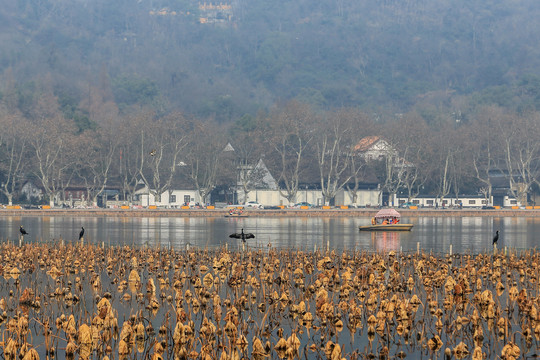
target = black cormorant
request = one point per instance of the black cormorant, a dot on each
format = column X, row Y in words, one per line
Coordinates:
column 23, row 232
column 81, row 234
column 242, row 235
column 496, row 237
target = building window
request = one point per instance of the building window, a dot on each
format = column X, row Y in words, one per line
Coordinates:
column 187, row 198
column 172, row 199
column 429, row 202
column 484, row 202
column 472, row 202
column 513, row 202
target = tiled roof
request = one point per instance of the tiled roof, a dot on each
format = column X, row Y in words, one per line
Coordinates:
column 366, row 143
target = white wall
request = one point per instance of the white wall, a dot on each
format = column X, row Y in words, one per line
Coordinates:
column 468, row 202
column 149, row 199
column 268, row 197
column 364, row 197
column 315, row 197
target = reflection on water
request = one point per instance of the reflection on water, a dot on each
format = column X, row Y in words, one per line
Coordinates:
column 386, row 240
column 468, row 234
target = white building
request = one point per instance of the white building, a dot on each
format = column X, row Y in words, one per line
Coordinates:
column 374, row 148
column 465, row 201
column 169, row 199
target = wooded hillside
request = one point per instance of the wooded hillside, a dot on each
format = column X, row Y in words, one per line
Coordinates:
column 374, row 54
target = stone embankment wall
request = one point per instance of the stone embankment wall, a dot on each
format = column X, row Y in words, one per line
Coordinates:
column 266, row 213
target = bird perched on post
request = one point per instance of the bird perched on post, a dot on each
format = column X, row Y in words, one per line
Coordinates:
column 496, row 237
column 242, row 235
column 23, row 232
column 81, row 234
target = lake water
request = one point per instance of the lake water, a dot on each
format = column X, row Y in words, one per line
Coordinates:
column 464, row 234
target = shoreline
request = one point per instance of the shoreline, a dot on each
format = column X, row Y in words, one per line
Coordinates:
column 268, row 213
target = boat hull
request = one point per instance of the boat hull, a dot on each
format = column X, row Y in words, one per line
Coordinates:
column 388, row 227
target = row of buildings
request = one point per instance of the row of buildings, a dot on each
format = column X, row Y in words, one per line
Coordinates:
column 266, row 191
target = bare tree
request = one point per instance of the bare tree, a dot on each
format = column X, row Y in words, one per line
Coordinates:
column 203, row 157
column 130, row 157
column 357, row 164
column 162, row 141
column 485, row 153
column 99, row 151
column 395, row 169
column 409, row 137
column 290, row 135
column 248, row 152
column 335, row 152
column 444, row 183
column 13, row 153
column 51, row 142
column 522, row 152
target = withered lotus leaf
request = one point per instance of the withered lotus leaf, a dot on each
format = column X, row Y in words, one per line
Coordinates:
column 328, row 349
column 71, row 348
column 477, row 353
column 123, row 348
column 178, row 333
column 510, row 351
column 84, row 334
column 293, row 342
column 10, row 349
column 31, row 354
column 134, row 276
column 208, row 281
column 435, row 343
column 336, row 353
column 258, row 351
column 126, row 332
column 461, row 350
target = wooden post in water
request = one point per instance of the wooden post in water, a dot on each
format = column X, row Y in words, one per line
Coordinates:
column 418, row 248
column 450, row 249
column 21, row 239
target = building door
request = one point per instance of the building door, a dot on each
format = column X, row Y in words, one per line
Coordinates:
column 498, row 200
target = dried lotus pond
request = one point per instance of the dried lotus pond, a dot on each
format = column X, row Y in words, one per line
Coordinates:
column 90, row 302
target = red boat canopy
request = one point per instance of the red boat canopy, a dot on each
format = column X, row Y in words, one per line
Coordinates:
column 387, row 213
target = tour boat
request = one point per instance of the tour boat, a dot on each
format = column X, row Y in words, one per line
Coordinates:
column 386, row 220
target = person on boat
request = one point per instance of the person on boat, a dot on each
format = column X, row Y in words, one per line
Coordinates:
column 373, row 221
column 385, row 222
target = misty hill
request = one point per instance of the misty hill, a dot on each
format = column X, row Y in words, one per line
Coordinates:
column 235, row 57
